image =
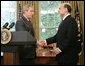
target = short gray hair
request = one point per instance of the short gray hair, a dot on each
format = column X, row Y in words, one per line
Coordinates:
column 26, row 7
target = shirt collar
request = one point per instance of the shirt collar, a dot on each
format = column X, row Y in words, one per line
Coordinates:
column 65, row 16
column 26, row 17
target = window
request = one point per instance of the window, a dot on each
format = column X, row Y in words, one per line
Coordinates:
column 8, row 12
column 49, row 18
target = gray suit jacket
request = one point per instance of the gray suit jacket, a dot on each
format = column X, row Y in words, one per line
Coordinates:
column 24, row 25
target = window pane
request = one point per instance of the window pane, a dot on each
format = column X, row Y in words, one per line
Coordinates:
column 48, row 32
column 8, row 12
column 49, row 18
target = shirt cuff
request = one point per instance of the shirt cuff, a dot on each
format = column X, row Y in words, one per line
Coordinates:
column 45, row 43
column 58, row 49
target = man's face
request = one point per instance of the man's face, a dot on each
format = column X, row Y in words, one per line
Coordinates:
column 62, row 9
column 30, row 12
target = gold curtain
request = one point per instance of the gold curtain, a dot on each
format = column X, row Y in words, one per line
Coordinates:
column 81, row 11
column 35, row 19
column 81, row 8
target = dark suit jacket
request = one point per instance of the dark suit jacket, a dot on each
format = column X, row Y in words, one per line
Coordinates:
column 23, row 25
column 67, row 40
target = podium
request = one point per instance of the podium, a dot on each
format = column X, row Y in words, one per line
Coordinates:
column 19, row 38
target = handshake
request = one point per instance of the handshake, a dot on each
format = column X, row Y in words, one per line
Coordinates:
column 43, row 43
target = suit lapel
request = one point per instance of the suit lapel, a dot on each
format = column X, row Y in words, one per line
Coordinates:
column 29, row 25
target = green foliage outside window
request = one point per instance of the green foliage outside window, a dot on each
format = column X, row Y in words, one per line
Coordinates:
column 49, row 18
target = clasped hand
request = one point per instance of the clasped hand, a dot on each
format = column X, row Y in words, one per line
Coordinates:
column 42, row 43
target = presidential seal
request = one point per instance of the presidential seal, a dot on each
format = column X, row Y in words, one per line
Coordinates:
column 5, row 36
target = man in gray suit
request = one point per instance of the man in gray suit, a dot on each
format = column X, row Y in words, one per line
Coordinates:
column 27, row 54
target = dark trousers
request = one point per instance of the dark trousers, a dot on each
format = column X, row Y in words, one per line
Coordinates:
column 68, row 60
column 28, row 61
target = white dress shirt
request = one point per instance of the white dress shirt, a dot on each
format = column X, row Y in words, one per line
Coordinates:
column 26, row 17
column 66, row 16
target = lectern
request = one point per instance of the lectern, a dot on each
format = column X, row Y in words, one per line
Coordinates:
column 19, row 38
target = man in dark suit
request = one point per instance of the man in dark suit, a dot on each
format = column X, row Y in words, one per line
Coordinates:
column 66, row 38
column 27, row 54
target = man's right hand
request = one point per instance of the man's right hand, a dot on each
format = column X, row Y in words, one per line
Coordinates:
column 42, row 42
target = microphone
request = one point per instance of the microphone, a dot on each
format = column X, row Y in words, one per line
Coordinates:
column 5, row 25
column 11, row 25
